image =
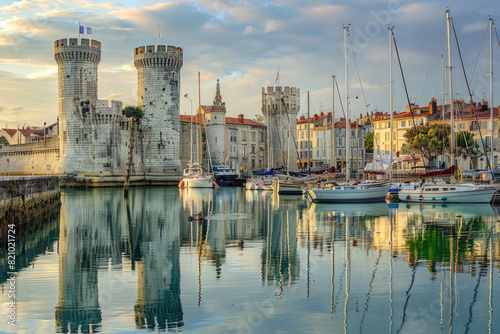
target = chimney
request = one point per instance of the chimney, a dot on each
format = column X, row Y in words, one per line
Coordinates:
column 240, row 118
column 433, row 106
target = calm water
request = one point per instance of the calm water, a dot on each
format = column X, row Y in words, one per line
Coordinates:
column 257, row 264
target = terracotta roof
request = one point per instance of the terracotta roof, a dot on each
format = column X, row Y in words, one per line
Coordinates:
column 187, row 119
column 235, row 120
column 10, row 132
column 31, row 132
column 229, row 120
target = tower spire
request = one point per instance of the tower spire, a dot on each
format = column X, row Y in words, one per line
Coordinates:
column 218, row 97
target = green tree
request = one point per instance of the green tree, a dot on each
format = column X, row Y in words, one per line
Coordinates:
column 4, row 140
column 430, row 141
column 130, row 111
column 465, row 143
column 369, row 142
column 260, row 119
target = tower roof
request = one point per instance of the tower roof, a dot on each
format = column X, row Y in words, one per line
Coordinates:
column 218, row 97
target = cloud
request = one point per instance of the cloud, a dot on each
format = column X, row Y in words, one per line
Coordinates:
column 51, row 71
column 475, row 27
column 250, row 30
column 273, row 25
column 103, row 5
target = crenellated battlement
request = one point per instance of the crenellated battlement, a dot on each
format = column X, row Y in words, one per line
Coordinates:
column 73, row 50
column 272, row 90
column 169, row 56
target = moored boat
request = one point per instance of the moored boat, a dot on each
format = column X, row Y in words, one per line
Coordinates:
column 193, row 177
column 447, row 193
column 364, row 192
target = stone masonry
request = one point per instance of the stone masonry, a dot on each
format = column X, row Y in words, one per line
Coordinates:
column 282, row 117
column 94, row 138
column 158, row 84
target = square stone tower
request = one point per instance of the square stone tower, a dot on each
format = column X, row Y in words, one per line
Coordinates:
column 280, row 106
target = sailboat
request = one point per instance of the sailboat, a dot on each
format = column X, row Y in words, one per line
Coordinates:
column 264, row 180
column 432, row 192
column 287, row 184
column 368, row 191
column 193, row 176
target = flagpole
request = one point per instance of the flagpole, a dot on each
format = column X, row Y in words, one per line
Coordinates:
column 158, row 35
column 79, row 33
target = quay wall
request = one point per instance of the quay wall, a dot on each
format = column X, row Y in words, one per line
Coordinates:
column 23, row 198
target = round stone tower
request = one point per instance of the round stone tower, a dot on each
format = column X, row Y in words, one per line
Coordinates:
column 77, row 88
column 282, row 117
column 215, row 122
column 158, row 90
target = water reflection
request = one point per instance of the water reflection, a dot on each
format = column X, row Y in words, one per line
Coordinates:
column 97, row 228
column 351, row 268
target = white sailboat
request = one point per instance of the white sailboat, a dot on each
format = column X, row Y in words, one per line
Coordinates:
column 286, row 184
column 369, row 191
column 194, row 176
column 449, row 192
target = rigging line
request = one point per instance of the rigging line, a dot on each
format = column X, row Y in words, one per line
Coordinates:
column 408, row 295
column 369, row 292
column 407, row 96
column 364, row 98
column 435, row 83
column 470, row 95
column 357, row 72
column 496, row 33
column 474, row 298
column 378, row 65
column 432, row 57
column 340, row 98
column 333, row 65
column 293, row 138
column 479, row 54
column 279, row 138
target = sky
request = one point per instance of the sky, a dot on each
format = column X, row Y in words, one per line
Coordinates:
column 244, row 44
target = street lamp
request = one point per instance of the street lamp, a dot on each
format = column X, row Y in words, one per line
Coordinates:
column 191, row 131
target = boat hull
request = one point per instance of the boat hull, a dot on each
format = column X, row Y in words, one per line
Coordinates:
column 258, row 184
column 366, row 195
column 288, row 188
column 199, row 182
column 469, row 196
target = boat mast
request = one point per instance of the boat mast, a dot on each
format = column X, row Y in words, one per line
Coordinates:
column 200, row 161
column 390, row 98
column 334, row 156
column 491, row 96
column 347, row 115
column 452, row 112
column 308, row 135
column 270, row 157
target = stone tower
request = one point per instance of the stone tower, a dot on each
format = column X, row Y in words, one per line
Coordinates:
column 77, row 89
column 282, row 117
column 158, row 85
column 215, row 123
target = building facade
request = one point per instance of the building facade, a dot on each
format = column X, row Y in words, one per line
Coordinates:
column 233, row 141
column 327, row 149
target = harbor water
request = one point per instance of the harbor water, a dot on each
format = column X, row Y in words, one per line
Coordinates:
column 253, row 262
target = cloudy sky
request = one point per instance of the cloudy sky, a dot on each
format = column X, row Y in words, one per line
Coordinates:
column 243, row 43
